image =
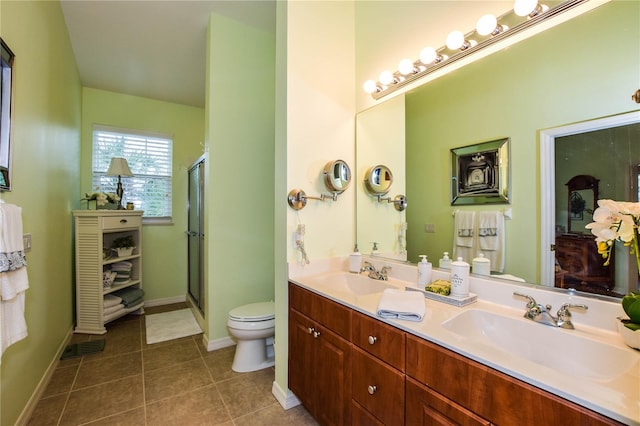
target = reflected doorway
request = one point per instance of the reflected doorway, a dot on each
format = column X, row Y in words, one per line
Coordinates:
column 195, row 234
column 608, row 150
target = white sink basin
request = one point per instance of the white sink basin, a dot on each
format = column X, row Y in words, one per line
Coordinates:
column 349, row 283
column 558, row 349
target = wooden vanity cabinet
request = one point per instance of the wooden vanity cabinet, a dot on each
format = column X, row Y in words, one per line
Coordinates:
column 320, row 357
column 488, row 393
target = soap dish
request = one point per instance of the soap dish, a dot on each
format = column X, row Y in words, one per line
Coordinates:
column 451, row 300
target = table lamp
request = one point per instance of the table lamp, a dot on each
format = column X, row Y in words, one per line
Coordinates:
column 119, row 167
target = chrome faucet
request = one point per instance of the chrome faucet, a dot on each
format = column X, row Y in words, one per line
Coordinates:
column 375, row 274
column 542, row 314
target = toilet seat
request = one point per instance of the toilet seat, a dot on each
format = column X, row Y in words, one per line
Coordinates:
column 253, row 312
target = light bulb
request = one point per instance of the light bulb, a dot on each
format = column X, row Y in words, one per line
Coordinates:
column 370, row 86
column 524, row 7
column 428, row 55
column 406, row 67
column 455, row 40
column 386, row 78
column 486, row 25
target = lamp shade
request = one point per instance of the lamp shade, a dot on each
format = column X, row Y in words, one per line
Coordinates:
column 119, row 167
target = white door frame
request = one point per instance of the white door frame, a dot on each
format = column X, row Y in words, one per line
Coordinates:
column 548, row 182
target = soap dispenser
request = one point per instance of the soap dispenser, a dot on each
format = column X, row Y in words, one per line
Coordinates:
column 424, row 271
column 355, row 261
column 445, row 262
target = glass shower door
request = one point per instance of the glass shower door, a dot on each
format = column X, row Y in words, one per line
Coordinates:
column 195, row 234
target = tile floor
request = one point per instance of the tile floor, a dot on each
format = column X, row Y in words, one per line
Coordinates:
column 170, row 383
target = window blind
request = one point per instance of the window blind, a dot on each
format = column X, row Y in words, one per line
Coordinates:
column 150, row 160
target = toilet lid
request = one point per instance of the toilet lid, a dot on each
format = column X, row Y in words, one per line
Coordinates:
column 253, row 312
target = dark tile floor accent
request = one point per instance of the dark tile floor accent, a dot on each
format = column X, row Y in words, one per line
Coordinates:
column 170, row 383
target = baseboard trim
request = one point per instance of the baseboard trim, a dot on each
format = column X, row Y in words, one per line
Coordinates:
column 164, row 301
column 212, row 345
column 44, row 382
column 286, row 398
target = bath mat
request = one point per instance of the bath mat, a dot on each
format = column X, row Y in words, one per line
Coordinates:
column 171, row 325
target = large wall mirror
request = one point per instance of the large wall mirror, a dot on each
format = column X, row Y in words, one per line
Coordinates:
column 6, row 87
column 540, row 83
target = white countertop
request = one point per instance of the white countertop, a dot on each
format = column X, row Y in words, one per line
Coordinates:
column 618, row 398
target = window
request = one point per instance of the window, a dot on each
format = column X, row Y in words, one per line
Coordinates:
column 150, row 160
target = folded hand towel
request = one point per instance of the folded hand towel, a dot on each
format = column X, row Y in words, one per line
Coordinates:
column 400, row 304
column 11, row 242
column 111, row 309
column 111, row 300
column 129, row 294
column 490, row 228
column 133, row 303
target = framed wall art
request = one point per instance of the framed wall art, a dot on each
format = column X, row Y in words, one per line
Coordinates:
column 480, row 173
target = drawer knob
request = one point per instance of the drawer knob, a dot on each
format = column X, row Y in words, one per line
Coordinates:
column 372, row 389
column 372, row 339
column 311, row 330
column 316, row 334
column 123, row 220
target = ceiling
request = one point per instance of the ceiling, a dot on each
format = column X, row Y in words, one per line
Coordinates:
column 153, row 49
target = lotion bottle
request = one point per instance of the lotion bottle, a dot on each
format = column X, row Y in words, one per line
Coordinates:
column 459, row 278
column 424, row 271
column 355, row 261
column 445, row 262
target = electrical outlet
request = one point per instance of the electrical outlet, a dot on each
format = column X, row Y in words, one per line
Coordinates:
column 26, row 241
column 430, row 228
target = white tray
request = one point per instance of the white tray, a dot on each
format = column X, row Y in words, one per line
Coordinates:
column 451, row 300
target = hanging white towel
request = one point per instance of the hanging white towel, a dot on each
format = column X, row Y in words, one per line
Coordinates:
column 491, row 238
column 14, row 325
column 464, row 235
column 13, row 277
column 400, row 304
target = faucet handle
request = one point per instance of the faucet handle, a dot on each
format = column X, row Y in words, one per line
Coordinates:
column 564, row 312
column 532, row 302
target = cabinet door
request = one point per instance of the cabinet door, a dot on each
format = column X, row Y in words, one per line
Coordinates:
column 301, row 346
column 378, row 387
column 331, row 378
column 429, row 408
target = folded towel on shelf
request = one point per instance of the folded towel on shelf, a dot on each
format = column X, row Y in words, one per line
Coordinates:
column 111, row 300
column 113, row 315
column 133, row 303
column 122, row 266
column 129, row 294
column 111, row 309
column 400, row 304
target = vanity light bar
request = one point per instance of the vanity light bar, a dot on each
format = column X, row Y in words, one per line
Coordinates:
column 507, row 25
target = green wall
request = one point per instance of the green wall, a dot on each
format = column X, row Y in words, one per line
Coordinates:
column 165, row 247
column 583, row 69
column 240, row 168
column 46, row 148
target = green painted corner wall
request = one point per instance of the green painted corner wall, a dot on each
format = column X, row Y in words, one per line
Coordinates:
column 542, row 82
column 240, row 169
column 164, row 246
column 45, row 151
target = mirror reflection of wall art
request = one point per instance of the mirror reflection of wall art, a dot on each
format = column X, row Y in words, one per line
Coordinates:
column 6, row 62
column 480, row 173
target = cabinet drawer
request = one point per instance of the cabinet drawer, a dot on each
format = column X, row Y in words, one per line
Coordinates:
column 121, row 222
column 379, row 339
column 327, row 312
column 377, row 387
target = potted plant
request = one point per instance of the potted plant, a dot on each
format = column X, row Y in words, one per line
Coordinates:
column 630, row 328
column 124, row 245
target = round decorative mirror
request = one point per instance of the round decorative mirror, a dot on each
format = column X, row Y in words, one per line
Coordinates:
column 337, row 176
column 378, row 180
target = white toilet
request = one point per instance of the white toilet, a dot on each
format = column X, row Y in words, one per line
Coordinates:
column 252, row 326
